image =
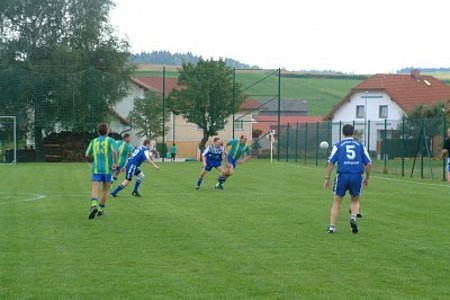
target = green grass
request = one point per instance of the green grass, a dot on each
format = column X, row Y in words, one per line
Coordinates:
column 263, row 237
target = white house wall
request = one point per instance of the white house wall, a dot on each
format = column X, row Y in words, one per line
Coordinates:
column 123, row 108
column 372, row 101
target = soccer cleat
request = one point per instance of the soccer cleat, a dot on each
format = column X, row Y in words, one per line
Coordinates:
column 358, row 215
column 331, row 229
column 218, row 186
column 136, row 194
column 197, row 187
column 93, row 211
column 100, row 213
column 113, row 195
column 354, row 226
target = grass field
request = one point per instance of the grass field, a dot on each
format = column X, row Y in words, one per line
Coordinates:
column 263, row 237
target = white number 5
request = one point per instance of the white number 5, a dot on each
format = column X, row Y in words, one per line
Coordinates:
column 351, row 154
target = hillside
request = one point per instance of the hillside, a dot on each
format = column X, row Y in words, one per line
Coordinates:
column 320, row 90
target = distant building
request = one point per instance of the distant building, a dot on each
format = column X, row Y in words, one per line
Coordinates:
column 386, row 97
column 288, row 107
column 184, row 134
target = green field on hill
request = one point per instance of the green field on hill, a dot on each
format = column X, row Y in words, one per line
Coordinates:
column 263, row 237
column 321, row 92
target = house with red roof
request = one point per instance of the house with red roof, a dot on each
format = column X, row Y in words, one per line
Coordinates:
column 381, row 102
column 184, row 134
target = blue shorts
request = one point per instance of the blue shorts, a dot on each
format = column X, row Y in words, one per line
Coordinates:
column 348, row 182
column 448, row 164
column 105, row 178
column 232, row 161
column 131, row 170
column 212, row 164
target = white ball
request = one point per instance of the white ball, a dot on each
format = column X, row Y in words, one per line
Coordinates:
column 323, row 145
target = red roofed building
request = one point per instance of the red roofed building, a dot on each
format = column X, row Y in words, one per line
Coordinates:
column 386, row 98
column 184, row 134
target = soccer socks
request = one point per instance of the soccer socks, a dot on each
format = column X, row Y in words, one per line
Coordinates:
column 222, row 179
column 136, row 185
column 353, row 217
column 117, row 189
column 101, row 207
column 94, row 202
column 199, row 181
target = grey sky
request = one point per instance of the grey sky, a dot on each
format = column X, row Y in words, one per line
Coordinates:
column 352, row 36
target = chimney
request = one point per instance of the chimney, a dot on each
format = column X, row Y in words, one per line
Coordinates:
column 415, row 74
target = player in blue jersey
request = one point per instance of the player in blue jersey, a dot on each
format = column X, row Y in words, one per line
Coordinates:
column 136, row 159
column 239, row 148
column 124, row 150
column 352, row 159
column 212, row 158
column 102, row 152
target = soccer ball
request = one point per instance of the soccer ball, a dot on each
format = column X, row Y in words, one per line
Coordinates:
column 323, row 145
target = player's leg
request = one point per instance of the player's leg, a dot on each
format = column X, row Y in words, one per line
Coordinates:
column 339, row 190
column 203, row 172
column 94, row 196
column 222, row 177
column 139, row 177
column 334, row 213
column 355, row 190
column 130, row 169
column 105, row 192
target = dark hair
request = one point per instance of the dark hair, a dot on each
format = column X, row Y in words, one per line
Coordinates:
column 102, row 129
column 126, row 135
column 146, row 142
column 216, row 139
column 347, row 130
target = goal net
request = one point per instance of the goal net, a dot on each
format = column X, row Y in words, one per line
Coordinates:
column 8, row 140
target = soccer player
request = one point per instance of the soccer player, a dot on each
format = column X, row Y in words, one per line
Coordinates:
column 212, row 158
column 238, row 148
column 124, row 150
column 102, row 152
column 136, row 159
column 445, row 152
column 352, row 159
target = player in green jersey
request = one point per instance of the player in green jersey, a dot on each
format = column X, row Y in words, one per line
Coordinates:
column 124, row 150
column 102, row 152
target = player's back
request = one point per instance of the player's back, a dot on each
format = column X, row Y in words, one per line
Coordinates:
column 101, row 150
column 350, row 155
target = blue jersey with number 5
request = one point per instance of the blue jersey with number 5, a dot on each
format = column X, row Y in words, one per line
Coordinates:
column 350, row 155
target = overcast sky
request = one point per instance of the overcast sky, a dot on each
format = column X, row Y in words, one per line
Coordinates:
column 352, row 36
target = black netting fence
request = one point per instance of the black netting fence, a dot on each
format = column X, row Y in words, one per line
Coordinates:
column 407, row 147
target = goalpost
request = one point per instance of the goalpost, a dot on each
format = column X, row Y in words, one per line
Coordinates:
column 8, row 140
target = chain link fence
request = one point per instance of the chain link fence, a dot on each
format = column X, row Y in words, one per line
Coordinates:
column 407, row 147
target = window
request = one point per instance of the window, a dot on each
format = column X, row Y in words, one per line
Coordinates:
column 360, row 112
column 383, row 112
column 239, row 124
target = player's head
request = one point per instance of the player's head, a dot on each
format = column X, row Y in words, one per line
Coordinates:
column 147, row 143
column 243, row 139
column 127, row 137
column 102, row 129
column 217, row 141
column 347, row 130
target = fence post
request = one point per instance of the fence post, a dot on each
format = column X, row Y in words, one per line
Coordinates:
column 403, row 146
column 385, row 146
column 421, row 148
column 444, row 134
column 317, row 144
column 296, row 143
column 368, row 135
column 306, row 140
column 287, row 141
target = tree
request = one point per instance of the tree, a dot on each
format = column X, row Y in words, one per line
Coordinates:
column 147, row 115
column 65, row 60
column 206, row 97
column 426, row 119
